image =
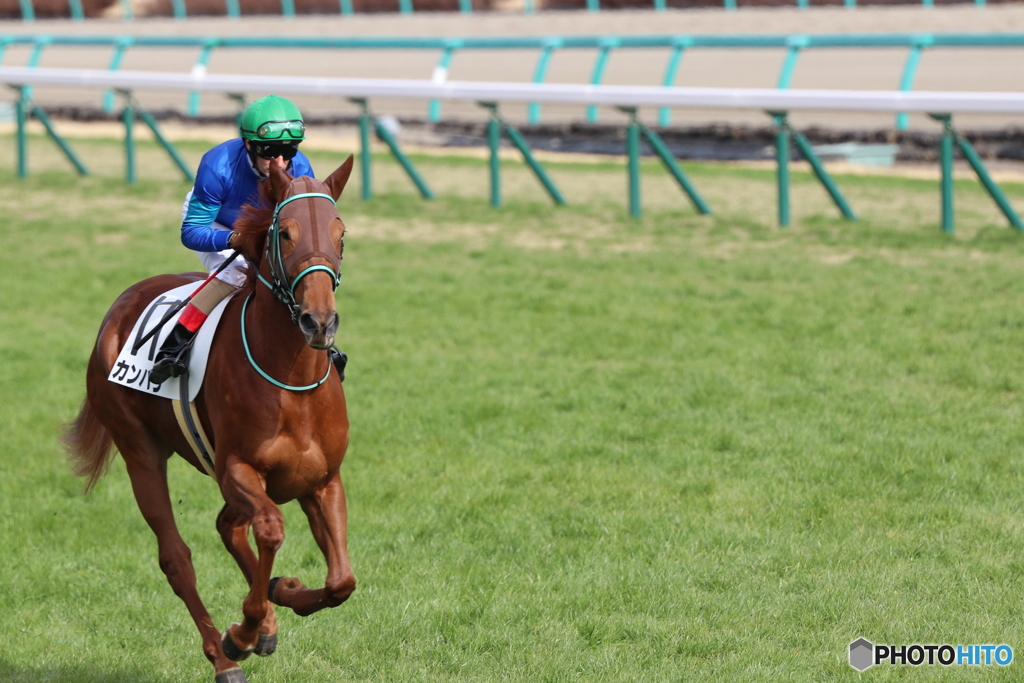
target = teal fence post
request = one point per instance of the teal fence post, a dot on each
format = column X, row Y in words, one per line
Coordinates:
column 440, row 76
column 126, row 10
column 730, row 5
column 994, row 190
column 405, row 6
column 606, row 45
column 946, row 162
column 782, row 162
column 128, row 118
column 466, row 6
column 178, row 7
column 232, row 8
column 346, row 8
column 39, row 44
column 794, row 45
column 61, row 142
column 365, row 158
column 494, row 143
column 823, row 176
column 593, row 5
column 671, row 69
column 122, row 44
column 669, row 161
column 148, row 119
column 288, row 8
column 384, row 134
column 910, row 72
column 28, row 12
column 199, row 68
column 21, row 113
column 75, row 8
column 539, row 74
column 633, row 161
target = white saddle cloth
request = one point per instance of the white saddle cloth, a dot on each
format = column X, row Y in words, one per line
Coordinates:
column 132, row 369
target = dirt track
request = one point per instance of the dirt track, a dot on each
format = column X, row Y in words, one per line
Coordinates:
column 941, row 69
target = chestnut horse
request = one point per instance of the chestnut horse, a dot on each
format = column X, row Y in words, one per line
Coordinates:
column 274, row 413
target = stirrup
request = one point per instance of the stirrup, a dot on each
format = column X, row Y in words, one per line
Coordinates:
column 170, row 366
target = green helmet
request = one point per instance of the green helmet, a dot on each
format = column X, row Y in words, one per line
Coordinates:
column 272, row 119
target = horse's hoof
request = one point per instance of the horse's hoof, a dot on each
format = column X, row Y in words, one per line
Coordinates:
column 272, row 587
column 232, row 651
column 266, row 645
column 231, row 676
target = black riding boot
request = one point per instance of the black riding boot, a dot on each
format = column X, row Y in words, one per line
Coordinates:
column 172, row 358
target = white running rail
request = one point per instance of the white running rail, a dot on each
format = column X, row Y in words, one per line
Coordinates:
column 610, row 95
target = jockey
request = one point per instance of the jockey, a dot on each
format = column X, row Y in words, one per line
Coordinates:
column 228, row 178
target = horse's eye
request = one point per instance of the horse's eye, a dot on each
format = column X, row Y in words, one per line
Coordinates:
column 284, row 235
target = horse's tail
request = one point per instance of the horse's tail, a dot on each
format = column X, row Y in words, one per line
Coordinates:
column 89, row 445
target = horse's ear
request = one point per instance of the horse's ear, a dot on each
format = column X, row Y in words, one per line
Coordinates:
column 279, row 182
column 336, row 181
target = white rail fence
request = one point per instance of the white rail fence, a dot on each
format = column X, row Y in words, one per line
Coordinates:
column 778, row 102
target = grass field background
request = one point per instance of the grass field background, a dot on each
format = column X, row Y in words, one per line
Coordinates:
column 584, row 447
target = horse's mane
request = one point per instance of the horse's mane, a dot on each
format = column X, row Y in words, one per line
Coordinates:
column 252, row 224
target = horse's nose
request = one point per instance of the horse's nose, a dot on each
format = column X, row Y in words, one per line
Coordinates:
column 319, row 331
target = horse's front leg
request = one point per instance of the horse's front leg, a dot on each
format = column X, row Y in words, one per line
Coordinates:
column 328, row 520
column 234, row 531
column 244, row 490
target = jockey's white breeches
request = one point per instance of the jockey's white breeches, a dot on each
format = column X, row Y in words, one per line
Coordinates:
column 234, row 274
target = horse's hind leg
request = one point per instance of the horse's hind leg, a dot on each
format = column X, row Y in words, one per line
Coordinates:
column 328, row 520
column 148, row 472
column 234, row 531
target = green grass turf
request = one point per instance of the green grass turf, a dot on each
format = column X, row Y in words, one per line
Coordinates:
column 584, row 447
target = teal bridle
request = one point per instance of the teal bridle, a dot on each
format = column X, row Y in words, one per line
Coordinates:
column 283, row 290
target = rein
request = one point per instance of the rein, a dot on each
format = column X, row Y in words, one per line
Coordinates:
column 282, row 290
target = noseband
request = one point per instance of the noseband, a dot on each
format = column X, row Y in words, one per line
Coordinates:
column 283, row 290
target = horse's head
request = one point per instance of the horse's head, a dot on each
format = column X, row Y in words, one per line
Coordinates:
column 304, row 249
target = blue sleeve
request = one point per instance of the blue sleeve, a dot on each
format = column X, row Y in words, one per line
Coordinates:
column 207, row 197
column 301, row 167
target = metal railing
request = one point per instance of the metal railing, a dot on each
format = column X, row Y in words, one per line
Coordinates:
column 677, row 45
column 776, row 102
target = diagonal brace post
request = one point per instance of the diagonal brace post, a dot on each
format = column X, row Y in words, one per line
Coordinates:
column 663, row 152
column 823, row 176
column 784, row 133
column 496, row 126
column 366, row 122
column 24, row 109
column 952, row 139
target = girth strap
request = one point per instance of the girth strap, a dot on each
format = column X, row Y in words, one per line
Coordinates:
column 192, row 427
